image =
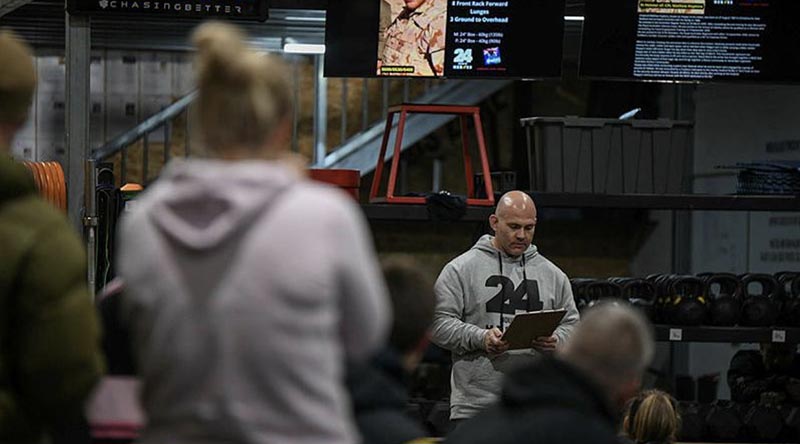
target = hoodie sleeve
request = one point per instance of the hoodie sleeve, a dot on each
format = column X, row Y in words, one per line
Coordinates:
column 449, row 330
column 57, row 335
column 366, row 313
column 566, row 301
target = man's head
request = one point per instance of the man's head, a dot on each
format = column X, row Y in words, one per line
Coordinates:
column 413, row 302
column 513, row 222
column 613, row 344
column 17, row 83
column 414, row 4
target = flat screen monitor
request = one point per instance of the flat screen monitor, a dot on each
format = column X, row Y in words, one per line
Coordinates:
column 692, row 40
column 444, row 38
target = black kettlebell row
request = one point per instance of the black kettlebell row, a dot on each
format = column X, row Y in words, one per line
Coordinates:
column 719, row 299
column 727, row 421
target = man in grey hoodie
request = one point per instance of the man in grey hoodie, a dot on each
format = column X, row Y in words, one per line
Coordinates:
column 479, row 293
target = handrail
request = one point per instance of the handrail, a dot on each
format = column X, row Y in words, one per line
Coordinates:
column 122, row 141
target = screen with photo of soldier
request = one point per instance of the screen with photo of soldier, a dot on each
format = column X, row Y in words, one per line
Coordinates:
column 692, row 40
column 444, row 38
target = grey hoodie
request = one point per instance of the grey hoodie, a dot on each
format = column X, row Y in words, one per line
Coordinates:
column 469, row 299
column 247, row 289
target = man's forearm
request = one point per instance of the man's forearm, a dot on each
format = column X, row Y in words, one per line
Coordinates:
column 456, row 335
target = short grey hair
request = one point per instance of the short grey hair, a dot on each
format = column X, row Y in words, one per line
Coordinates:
column 613, row 344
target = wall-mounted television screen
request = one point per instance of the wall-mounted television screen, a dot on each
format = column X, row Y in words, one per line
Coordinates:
column 692, row 40
column 444, row 38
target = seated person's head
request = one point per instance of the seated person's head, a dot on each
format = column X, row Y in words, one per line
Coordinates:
column 413, row 302
column 778, row 357
column 613, row 345
column 652, row 417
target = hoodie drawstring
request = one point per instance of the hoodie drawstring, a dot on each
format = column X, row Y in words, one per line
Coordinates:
column 502, row 298
column 524, row 282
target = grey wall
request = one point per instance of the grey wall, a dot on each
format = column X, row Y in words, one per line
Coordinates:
column 736, row 123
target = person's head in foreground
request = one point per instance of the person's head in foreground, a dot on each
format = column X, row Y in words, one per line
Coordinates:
column 17, row 83
column 413, row 302
column 613, row 345
column 244, row 102
column 652, row 417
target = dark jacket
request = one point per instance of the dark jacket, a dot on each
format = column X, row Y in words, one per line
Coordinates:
column 748, row 378
column 546, row 402
column 379, row 399
column 49, row 336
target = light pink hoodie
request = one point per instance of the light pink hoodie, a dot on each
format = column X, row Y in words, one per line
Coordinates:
column 248, row 289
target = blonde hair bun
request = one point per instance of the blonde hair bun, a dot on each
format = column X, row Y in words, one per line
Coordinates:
column 244, row 95
column 221, row 54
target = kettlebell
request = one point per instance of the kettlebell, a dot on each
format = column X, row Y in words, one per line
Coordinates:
column 794, row 306
column 723, row 422
column 760, row 307
column 603, row 290
column 640, row 293
column 579, row 292
column 662, row 305
column 785, row 279
column 724, row 292
column 790, row 285
column 688, row 304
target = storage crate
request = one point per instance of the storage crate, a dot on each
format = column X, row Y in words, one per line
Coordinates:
column 609, row 156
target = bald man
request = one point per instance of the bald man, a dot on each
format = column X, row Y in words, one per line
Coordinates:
column 479, row 293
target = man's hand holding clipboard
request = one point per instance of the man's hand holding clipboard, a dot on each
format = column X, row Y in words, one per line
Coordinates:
column 534, row 330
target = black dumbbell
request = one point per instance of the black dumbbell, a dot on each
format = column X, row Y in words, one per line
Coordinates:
column 693, row 424
column 723, row 422
column 724, row 292
column 791, row 431
column 761, row 304
column 764, row 423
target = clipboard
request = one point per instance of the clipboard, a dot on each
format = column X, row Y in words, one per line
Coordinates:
column 528, row 326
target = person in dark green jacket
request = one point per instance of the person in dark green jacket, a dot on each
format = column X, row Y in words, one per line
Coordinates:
column 49, row 335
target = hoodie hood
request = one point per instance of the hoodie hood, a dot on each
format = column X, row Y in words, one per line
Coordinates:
column 485, row 244
column 553, row 382
column 205, row 202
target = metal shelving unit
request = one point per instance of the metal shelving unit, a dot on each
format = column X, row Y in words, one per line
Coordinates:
column 677, row 333
column 687, row 202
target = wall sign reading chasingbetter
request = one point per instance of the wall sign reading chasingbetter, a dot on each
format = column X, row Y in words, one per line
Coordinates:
column 242, row 9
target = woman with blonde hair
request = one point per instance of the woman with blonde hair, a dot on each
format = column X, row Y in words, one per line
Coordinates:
column 248, row 286
column 652, row 418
